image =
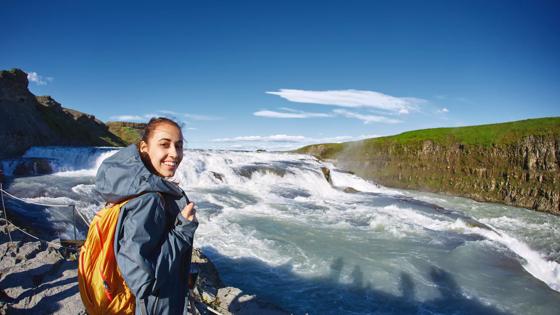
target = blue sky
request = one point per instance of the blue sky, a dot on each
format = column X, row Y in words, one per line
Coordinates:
column 282, row 74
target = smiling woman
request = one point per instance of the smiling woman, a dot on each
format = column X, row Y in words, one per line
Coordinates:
column 155, row 230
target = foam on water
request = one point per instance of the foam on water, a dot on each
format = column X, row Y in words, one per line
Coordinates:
column 51, row 200
column 342, row 179
column 289, row 190
column 534, row 262
column 71, row 158
column 397, row 220
column 234, row 241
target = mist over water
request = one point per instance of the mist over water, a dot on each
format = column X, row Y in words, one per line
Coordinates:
column 276, row 228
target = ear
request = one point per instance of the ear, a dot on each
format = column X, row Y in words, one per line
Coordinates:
column 143, row 146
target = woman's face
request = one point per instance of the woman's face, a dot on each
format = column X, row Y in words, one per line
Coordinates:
column 164, row 149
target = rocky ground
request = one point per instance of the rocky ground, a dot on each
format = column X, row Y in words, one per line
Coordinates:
column 41, row 278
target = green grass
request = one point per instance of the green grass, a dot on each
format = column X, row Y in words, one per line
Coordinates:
column 482, row 135
column 129, row 135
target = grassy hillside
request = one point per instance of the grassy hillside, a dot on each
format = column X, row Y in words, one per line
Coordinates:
column 517, row 163
column 482, row 135
column 128, row 132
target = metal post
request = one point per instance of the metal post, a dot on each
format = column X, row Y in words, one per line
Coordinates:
column 5, row 216
column 74, row 219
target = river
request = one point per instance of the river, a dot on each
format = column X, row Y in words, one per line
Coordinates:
column 276, row 228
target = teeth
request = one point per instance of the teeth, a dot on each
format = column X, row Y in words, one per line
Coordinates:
column 170, row 163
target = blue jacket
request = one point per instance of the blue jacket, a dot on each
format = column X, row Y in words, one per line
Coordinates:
column 153, row 241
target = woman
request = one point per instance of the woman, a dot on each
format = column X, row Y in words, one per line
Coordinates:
column 155, row 230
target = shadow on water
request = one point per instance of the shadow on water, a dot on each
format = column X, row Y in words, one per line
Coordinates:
column 327, row 295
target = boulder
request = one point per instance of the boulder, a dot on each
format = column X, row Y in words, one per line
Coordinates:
column 327, row 174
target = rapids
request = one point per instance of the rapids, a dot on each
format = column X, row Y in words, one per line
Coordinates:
column 275, row 227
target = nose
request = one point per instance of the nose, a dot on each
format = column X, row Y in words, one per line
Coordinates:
column 173, row 151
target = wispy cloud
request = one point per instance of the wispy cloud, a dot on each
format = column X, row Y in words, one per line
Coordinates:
column 280, row 141
column 181, row 118
column 292, row 113
column 137, row 118
column 336, row 139
column 291, row 139
column 38, row 79
column 443, row 110
column 128, row 118
column 353, row 99
column 361, row 137
column 273, row 138
column 366, row 118
column 289, row 113
column 201, row 117
column 189, row 115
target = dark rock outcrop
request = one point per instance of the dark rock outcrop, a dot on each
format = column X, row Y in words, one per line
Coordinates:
column 327, row 174
column 218, row 176
column 32, row 167
column 27, row 120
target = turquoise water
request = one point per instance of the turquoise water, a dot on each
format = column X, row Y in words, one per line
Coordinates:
column 276, row 228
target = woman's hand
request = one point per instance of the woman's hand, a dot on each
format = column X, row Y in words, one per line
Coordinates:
column 189, row 212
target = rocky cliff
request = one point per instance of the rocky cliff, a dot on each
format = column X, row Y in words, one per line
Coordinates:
column 515, row 163
column 27, row 120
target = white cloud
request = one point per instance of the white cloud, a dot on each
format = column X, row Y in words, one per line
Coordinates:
column 128, row 118
column 337, row 139
column 169, row 112
column 353, row 99
column 165, row 113
column 366, row 118
column 289, row 113
column 189, row 115
column 152, row 115
column 279, row 142
column 292, row 113
column 273, row 138
column 201, row 117
column 361, row 137
column 38, row 79
column 288, row 139
column 443, row 110
column 175, row 115
column 289, row 109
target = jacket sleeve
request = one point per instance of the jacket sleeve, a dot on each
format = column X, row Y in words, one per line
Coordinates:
column 149, row 253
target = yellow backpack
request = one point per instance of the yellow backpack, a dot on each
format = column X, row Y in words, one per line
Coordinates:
column 102, row 286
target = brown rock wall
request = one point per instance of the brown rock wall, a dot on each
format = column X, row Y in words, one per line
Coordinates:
column 524, row 173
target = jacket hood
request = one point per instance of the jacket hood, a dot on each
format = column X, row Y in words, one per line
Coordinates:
column 124, row 175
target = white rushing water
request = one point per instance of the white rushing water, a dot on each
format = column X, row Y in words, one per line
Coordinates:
column 275, row 227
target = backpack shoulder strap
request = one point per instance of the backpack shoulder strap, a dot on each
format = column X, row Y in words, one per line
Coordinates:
column 123, row 201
